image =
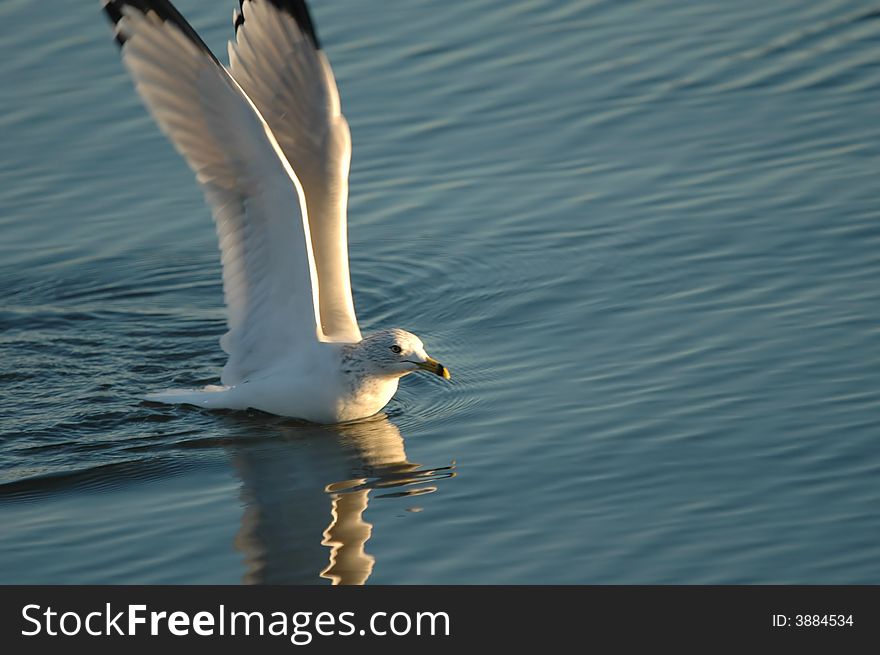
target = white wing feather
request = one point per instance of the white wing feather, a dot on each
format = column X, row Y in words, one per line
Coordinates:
column 277, row 61
column 269, row 280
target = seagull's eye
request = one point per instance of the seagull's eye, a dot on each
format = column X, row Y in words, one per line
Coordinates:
column 396, row 349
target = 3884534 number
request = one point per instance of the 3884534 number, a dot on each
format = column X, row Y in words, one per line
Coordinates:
column 822, row 620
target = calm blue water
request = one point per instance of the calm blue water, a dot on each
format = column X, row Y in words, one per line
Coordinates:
column 643, row 235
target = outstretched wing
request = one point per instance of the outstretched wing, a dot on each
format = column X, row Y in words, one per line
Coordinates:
column 260, row 214
column 277, row 59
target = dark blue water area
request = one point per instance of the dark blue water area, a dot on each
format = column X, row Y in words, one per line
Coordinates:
column 644, row 236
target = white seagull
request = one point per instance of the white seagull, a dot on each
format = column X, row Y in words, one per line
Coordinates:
column 293, row 342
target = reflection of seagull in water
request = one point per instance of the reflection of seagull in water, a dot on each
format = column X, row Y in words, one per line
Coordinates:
column 271, row 150
column 307, row 493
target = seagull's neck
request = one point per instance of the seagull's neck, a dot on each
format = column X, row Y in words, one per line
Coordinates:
column 367, row 390
column 356, row 362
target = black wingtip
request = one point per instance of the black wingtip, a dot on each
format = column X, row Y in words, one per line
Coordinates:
column 297, row 9
column 113, row 11
column 115, row 15
column 238, row 18
column 163, row 9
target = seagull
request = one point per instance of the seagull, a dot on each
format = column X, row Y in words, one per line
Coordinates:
column 271, row 150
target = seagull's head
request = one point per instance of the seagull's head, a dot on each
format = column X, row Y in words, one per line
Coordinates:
column 396, row 353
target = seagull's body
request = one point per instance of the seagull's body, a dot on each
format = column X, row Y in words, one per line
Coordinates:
column 328, row 384
column 271, row 150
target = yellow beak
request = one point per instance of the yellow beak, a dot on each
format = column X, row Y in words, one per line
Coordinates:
column 435, row 367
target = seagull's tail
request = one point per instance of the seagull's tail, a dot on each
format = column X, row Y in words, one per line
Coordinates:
column 210, row 397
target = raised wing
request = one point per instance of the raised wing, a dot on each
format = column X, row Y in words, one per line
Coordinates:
column 260, row 214
column 278, row 61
